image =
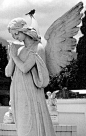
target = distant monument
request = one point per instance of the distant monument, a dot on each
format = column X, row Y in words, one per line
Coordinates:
column 52, row 106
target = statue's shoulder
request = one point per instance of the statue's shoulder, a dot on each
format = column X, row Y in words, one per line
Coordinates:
column 41, row 51
column 40, row 47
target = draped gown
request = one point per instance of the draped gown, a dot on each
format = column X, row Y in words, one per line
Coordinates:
column 28, row 100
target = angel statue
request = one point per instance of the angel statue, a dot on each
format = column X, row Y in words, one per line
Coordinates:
column 52, row 106
column 30, row 67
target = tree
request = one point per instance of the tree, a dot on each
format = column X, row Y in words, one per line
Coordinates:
column 81, row 50
column 66, row 78
column 3, row 60
column 4, row 81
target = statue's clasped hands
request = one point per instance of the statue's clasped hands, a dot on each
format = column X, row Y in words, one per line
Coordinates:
column 12, row 49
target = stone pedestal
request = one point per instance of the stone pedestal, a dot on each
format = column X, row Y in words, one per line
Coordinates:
column 54, row 115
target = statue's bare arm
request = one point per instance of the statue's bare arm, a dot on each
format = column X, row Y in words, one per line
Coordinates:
column 9, row 68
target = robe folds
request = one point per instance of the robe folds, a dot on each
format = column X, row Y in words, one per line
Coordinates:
column 28, row 102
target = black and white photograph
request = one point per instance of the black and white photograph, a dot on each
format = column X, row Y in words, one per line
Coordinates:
column 42, row 68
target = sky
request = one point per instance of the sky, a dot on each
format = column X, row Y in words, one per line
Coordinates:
column 47, row 11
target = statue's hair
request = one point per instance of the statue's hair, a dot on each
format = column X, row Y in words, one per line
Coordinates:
column 19, row 24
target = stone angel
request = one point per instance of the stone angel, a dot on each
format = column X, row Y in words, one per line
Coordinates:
column 29, row 72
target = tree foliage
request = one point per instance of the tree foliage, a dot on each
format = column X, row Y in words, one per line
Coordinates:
column 81, row 50
column 4, row 81
column 66, row 78
column 3, row 60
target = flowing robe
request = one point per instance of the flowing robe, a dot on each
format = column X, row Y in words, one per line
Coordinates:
column 28, row 100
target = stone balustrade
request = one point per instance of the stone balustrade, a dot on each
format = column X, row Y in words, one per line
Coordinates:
column 61, row 130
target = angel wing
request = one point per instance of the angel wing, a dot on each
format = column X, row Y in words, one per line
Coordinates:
column 61, row 41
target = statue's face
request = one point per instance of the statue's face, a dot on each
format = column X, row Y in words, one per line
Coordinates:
column 48, row 94
column 17, row 35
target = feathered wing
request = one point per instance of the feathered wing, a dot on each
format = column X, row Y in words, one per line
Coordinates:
column 61, row 41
